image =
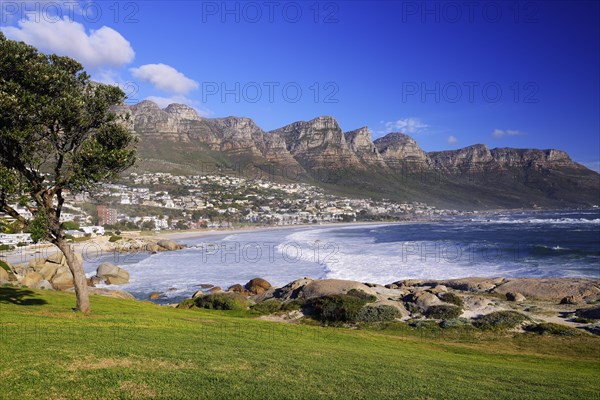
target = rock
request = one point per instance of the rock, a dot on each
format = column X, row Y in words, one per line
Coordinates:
column 473, row 284
column 32, row 279
column 155, row 296
column 197, row 294
column 439, row 289
column 385, row 293
column 237, row 288
column 56, row 258
column 4, row 277
column 205, row 285
column 257, row 286
column 215, row 289
column 96, row 280
column 570, row 300
column 112, row 274
column 121, row 279
column 49, row 270
column 168, row 244
column 590, row 313
column 153, row 247
column 515, row 296
column 399, row 306
column 423, row 300
column 552, row 289
column 63, row 280
column 392, row 286
column 37, row 264
column 107, row 269
column 409, row 282
column 289, row 291
column 44, row 285
column 326, row 287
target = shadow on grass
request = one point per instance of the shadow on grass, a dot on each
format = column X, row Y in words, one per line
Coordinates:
column 21, row 297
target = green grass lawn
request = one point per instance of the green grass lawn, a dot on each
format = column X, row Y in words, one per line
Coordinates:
column 127, row 349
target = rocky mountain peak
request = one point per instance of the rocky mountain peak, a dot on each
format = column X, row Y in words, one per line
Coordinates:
column 399, row 149
column 181, row 111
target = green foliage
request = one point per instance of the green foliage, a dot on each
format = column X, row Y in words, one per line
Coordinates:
column 267, row 307
column 549, row 328
column 337, row 307
column 70, row 226
column 500, row 320
column 114, row 239
column 56, row 133
column 5, row 266
column 581, row 320
column 412, row 308
column 443, row 311
column 222, row 301
column 187, row 304
column 359, row 294
column 379, row 313
column 455, row 323
column 451, row 298
column 6, row 247
column 292, row 305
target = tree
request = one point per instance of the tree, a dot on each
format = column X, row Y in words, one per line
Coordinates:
column 56, row 134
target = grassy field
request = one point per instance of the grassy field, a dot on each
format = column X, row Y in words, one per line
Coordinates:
column 137, row 350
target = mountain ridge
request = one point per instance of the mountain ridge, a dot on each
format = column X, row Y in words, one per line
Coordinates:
column 393, row 166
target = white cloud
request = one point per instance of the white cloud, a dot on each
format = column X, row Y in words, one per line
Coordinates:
column 104, row 47
column 165, row 101
column 452, row 139
column 406, row 125
column 498, row 133
column 166, row 78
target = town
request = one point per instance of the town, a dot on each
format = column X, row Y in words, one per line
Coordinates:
column 163, row 201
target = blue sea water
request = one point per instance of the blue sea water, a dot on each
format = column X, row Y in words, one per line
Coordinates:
column 508, row 244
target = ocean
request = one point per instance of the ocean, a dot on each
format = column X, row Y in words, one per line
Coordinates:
column 508, row 244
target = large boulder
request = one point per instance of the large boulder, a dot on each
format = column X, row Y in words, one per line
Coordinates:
column 472, row 284
column 423, row 300
column 56, row 258
column 48, row 270
column 257, row 286
column 63, row 280
column 32, row 279
column 169, row 244
column 37, row 264
column 552, row 289
column 112, row 274
column 515, row 296
column 4, row 276
column 327, row 287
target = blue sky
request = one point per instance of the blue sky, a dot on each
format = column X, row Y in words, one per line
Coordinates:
column 450, row 74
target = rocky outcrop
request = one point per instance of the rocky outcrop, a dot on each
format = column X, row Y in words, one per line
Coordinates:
column 111, row 274
column 552, row 289
column 467, row 159
column 400, row 151
column 362, row 145
column 318, row 143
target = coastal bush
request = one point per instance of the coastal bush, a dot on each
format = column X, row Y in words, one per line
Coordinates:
column 336, row 308
column 379, row 313
column 443, row 311
column 455, row 323
column 581, row 320
column 412, row 308
column 500, row 320
column 222, row 301
column 292, row 305
column 5, row 247
column 114, row 239
column 359, row 294
column 267, row 307
column 451, row 298
column 549, row 328
column 187, row 304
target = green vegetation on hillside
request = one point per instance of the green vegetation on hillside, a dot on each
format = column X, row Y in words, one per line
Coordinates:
column 137, row 350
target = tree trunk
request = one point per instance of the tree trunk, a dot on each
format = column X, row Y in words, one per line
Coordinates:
column 79, row 280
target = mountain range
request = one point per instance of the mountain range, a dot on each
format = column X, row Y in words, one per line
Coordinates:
column 176, row 139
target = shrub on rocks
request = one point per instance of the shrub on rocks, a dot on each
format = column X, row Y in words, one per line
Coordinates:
column 267, row 307
column 448, row 297
column 379, row 313
column 359, row 294
column 336, row 308
column 455, row 323
column 222, row 301
column 500, row 320
column 443, row 311
column 114, row 239
column 548, row 328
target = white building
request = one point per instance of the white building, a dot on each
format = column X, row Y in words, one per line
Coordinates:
column 15, row 239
